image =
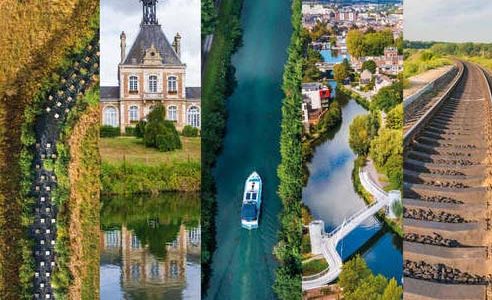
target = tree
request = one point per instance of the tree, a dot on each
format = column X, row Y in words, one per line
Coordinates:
column 389, row 96
column 358, row 282
column 209, row 17
column 387, row 153
column 369, row 65
column 354, row 272
column 340, row 72
column 355, row 43
column 393, row 291
column 394, row 118
column 359, row 138
column 331, row 118
column 160, row 133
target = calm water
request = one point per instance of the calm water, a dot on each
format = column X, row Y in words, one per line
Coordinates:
column 330, row 195
column 150, row 247
column 243, row 264
column 335, row 58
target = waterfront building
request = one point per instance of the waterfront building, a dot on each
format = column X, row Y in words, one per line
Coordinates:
column 150, row 73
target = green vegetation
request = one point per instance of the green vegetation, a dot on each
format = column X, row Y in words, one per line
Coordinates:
column 310, row 71
column 362, row 130
column 132, row 150
column 370, row 43
column 314, row 266
column 109, row 131
column 218, row 84
column 358, row 282
column 342, row 91
column 387, row 154
column 369, row 65
column 209, row 16
column 341, row 71
column 134, row 178
column 394, row 118
column 388, row 97
column 160, row 133
column 36, row 49
column 130, row 167
column 331, row 117
column 288, row 249
column 417, row 62
column 190, row 131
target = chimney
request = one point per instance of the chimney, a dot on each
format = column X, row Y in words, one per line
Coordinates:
column 177, row 44
column 123, row 46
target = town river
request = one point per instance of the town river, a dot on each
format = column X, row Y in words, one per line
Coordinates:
column 243, row 264
column 150, row 247
column 330, row 196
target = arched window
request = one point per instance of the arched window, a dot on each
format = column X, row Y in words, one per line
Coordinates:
column 133, row 112
column 193, row 116
column 133, row 84
column 110, row 116
column 153, row 84
column 172, row 113
column 172, row 84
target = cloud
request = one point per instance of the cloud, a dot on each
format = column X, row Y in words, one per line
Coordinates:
column 448, row 20
column 181, row 16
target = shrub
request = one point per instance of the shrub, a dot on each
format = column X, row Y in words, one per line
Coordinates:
column 190, row 131
column 130, row 131
column 109, row 131
column 140, row 129
column 160, row 133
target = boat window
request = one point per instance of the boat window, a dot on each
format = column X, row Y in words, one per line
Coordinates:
column 248, row 196
column 253, row 196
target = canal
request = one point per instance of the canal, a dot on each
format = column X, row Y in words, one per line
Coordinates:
column 150, row 247
column 243, row 265
column 330, row 196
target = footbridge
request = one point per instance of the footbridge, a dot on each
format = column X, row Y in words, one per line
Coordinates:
column 325, row 244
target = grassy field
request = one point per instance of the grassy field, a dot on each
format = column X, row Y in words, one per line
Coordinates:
column 128, row 167
column 314, row 266
column 418, row 62
column 132, row 150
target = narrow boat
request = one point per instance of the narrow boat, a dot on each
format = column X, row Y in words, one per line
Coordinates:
column 250, row 210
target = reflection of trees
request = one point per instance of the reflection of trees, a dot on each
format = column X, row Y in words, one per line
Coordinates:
column 155, row 221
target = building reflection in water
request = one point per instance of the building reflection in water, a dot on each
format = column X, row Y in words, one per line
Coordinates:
column 140, row 269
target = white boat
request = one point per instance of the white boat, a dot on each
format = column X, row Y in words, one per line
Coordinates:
column 250, row 210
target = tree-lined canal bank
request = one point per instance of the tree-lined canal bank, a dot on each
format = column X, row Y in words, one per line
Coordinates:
column 331, row 197
column 243, row 265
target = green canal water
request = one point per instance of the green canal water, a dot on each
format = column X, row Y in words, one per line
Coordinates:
column 150, row 247
column 243, row 264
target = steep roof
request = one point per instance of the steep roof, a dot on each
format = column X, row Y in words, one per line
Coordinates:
column 193, row 92
column 110, row 92
column 152, row 35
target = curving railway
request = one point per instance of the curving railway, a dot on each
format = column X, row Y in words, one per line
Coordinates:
column 447, row 191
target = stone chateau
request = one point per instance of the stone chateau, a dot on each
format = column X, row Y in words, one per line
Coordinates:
column 150, row 73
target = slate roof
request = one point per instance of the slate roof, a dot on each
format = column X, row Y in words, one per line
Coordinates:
column 193, row 92
column 110, row 92
column 152, row 35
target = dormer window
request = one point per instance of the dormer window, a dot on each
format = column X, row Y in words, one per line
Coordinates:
column 133, row 84
column 153, row 84
column 172, row 85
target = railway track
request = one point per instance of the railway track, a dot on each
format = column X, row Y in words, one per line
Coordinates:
column 447, row 191
column 417, row 109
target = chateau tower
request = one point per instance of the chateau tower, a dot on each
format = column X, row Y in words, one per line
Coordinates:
column 150, row 73
column 149, row 12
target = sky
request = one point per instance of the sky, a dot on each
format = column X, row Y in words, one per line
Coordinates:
column 448, row 20
column 181, row 16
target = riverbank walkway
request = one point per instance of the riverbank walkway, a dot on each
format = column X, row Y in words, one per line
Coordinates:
column 326, row 243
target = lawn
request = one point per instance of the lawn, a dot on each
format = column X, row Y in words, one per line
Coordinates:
column 131, row 150
column 314, row 266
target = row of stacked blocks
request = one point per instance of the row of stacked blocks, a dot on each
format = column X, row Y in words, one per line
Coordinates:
column 59, row 103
